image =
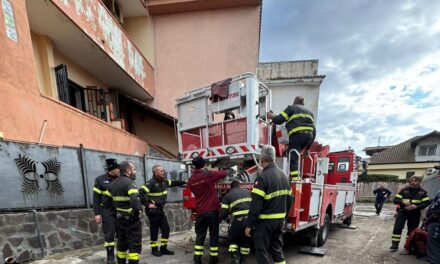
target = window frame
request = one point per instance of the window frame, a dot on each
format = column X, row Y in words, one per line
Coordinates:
column 427, row 150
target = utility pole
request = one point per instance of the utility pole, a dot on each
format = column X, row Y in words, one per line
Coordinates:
column 378, row 141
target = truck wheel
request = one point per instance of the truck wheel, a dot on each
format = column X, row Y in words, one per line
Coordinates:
column 347, row 221
column 324, row 230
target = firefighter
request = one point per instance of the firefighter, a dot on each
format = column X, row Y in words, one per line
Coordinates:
column 411, row 199
column 154, row 196
column 128, row 210
column 103, row 207
column 236, row 202
column 301, row 129
column 381, row 194
column 202, row 185
column 271, row 201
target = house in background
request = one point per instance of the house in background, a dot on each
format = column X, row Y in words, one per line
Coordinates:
column 415, row 156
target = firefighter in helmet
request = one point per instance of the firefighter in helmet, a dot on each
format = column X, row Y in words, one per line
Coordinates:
column 271, row 202
column 301, row 129
column 411, row 200
column 125, row 197
column 202, row 185
column 236, row 203
column 154, row 196
column 103, row 207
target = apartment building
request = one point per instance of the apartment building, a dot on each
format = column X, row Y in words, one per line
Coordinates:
column 105, row 73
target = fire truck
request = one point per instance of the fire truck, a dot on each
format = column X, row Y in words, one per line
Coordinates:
column 226, row 124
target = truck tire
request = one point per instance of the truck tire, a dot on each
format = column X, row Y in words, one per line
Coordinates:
column 323, row 231
column 347, row 221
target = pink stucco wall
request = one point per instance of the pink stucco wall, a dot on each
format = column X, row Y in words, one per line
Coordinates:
column 23, row 109
column 99, row 25
column 195, row 49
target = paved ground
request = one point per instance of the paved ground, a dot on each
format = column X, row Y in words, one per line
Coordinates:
column 367, row 244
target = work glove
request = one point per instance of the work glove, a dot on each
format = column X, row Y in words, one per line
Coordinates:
column 231, row 173
column 285, row 225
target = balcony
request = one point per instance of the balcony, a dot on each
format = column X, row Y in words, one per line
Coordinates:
column 160, row 7
column 87, row 33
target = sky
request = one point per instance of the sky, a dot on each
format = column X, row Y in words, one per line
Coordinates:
column 381, row 60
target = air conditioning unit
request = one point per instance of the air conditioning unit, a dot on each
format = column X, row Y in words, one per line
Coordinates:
column 430, row 171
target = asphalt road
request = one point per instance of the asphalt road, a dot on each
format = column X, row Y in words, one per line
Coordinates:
column 368, row 243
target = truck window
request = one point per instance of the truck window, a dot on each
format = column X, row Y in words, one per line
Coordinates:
column 343, row 164
column 331, row 166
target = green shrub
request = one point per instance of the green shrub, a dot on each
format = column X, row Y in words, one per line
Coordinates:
column 380, row 178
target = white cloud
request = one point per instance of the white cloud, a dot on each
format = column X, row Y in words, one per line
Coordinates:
column 381, row 59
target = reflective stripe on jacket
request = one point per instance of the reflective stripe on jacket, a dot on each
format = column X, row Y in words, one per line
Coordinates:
column 156, row 191
column 271, row 196
column 125, row 196
column 416, row 196
column 297, row 118
column 102, row 198
column 236, row 202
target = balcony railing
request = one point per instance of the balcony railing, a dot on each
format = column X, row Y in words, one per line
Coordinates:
column 87, row 32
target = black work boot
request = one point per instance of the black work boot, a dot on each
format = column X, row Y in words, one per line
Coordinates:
column 213, row 259
column 133, row 261
column 155, row 251
column 121, row 260
column 235, row 257
column 394, row 245
column 110, row 254
column 165, row 251
column 197, row 259
column 242, row 259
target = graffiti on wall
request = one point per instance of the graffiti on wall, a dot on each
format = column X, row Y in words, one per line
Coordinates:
column 38, row 177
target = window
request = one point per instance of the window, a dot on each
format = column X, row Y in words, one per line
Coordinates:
column 90, row 100
column 409, row 174
column 331, row 166
column 427, row 150
column 113, row 7
column 343, row 164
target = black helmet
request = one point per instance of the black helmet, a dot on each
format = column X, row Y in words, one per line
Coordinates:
column 199, row 162
column 111, row 164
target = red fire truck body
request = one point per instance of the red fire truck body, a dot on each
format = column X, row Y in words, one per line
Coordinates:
column 324, row 194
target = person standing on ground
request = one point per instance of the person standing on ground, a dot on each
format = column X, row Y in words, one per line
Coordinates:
column 411, row 200
column 125, row 196
column 271, row 202
column 154, row 196
column 202, row 185
column 433, row 223
column 236, row 203
column 104, row 209
column 382, row 194
column 301, row 129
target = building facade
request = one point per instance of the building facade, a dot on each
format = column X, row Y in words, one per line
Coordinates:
column 415, row 156
column 288, row 79
column 105, row 73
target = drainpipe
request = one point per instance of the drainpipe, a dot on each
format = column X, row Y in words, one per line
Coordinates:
column 82, row 161
column 39, row 233
column 43, row 129
column 144, row 164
